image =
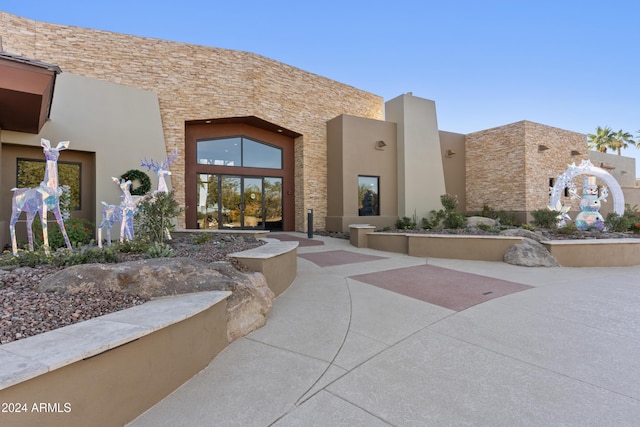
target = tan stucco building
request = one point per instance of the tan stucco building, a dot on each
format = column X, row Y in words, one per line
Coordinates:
column 257, row 142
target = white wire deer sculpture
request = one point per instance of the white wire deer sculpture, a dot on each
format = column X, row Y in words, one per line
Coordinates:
column 41, row 200
column 162, row 170
column 124, row 213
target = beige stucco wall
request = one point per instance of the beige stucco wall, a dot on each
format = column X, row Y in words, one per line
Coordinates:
column 452, row 150
column 352, row 152
column 509, row 167
column 420, row 170
column 198, row 82
column 120, row 124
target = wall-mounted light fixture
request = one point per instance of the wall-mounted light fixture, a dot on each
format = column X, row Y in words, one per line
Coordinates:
column 575, row 153
column 449, row 153
column 380, row 145
column 607, row 166
column 542, row 148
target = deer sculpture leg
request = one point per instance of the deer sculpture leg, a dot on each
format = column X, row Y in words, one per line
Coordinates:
column 60, row 222
column 24, row 200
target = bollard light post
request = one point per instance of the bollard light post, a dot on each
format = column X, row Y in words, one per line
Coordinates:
column 310, row 223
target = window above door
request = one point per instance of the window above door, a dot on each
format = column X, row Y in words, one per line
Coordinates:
column 238, row 151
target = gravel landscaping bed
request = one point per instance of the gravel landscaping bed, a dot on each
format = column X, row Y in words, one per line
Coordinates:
column 25, row 312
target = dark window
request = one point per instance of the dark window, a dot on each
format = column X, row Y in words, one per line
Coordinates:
column 30, row 173
column 368, row 196
column 238, row 151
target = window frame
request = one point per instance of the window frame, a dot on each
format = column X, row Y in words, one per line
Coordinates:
column 242, row 164
column 376, row 203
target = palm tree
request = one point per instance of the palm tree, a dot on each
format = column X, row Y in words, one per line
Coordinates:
column 601, row 140
column 621, row 139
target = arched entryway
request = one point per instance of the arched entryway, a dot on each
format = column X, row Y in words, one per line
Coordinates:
column 239, row 174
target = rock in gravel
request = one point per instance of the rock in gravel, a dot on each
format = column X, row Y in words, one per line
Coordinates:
column 247, row 307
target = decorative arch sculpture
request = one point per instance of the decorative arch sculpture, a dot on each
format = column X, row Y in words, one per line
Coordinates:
column 586, row 168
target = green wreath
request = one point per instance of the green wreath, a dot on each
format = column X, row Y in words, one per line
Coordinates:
column 137, row 175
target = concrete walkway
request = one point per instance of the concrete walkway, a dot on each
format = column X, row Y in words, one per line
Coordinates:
column 540, row 347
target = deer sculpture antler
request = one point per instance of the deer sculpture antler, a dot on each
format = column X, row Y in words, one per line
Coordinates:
column 161, row 169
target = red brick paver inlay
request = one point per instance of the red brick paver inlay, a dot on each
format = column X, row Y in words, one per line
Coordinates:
column 329, row 258
column 447, row 288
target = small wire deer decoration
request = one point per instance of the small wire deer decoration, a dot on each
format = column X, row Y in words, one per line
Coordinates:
column 124, row 212
column 110, row 215
column 42, row 199
column 162, row 170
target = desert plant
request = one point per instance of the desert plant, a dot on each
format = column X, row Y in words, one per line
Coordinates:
column 617, row 223
column 80, row 232
column 529, row 227
column 155, row 216
column 454, row 220
column 568, row 229
column 545, row 218
column 202, row 238
column 160, row 250
column 405, row 223
column 139, row 245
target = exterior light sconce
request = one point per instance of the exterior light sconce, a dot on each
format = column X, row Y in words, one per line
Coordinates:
column 575, row 153
column 608, row 166
column 449, row 153
column 380, row 145
column 542, row 148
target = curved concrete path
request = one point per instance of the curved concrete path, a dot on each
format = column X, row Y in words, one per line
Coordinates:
column 562, row 350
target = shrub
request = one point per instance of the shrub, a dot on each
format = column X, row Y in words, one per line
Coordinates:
column 79, row 230
column 528, row 227
column 155, row 216
column 405, row 223
column 454, row 220
column 617, row 223
column 160, row 250
column 139, row 245
column 569, row 228
column 202, row 238
column 545, row 218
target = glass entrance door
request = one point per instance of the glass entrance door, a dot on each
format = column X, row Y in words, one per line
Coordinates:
column 228, row 202
column 252, row 211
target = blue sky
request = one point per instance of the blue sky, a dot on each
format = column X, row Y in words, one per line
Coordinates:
column 570, row 64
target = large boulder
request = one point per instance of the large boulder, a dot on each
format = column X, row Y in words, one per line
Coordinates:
column 521, row 232
column 247, row 307
column 529, row 253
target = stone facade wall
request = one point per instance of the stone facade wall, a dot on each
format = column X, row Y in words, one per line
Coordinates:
column 198, row 82
column 509, row 167
column 495, row 160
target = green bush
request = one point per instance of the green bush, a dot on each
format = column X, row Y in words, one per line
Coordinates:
column 155, row 216
column 545, row 218
column 79, row 230
column 202, row 238
column 569, row 228
column 454, row 220
column 139, row 245
column 617, row 223
column 160, row 250
column 528, row 227
column 405, row 223
column 64, row 258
